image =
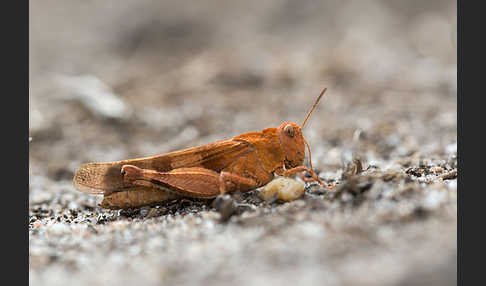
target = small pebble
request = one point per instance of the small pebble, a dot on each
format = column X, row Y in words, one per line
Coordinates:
column 144, row 211
column 286, row 189
column 437, row 169
column 37, row 223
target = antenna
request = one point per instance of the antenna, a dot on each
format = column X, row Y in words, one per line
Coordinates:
column 312, row 108
column 310, row 156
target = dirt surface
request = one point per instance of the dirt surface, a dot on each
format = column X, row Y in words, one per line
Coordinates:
column 111, row 81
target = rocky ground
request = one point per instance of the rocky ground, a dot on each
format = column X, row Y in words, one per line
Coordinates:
column 149, row 77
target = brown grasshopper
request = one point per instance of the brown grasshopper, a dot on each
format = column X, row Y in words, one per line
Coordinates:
column 242, row 163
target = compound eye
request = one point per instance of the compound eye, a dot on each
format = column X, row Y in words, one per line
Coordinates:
column 289, row 130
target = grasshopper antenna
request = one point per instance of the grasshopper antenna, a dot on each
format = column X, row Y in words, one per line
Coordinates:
column 310, row 156
column 312, row 108
column 305, row 120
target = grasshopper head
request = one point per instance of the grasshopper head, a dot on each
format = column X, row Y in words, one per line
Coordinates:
column 292, row 142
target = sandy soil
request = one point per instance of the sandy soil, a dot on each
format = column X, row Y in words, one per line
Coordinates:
column 111, row 81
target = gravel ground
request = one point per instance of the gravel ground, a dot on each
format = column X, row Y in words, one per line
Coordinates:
column 111, row 82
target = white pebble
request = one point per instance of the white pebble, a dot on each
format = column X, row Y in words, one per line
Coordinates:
column 95, row 95
column 286, row 189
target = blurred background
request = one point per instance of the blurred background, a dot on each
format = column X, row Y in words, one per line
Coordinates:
column 111, row 80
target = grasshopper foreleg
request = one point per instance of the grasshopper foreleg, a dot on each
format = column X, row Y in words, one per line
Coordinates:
column 299, row 169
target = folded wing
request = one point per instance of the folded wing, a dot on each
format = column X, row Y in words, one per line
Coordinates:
column 105, row 178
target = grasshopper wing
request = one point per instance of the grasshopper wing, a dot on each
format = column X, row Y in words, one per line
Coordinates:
column 106, row 178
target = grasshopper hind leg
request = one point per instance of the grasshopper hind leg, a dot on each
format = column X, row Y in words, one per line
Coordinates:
column 190, row 182
column 236, row 182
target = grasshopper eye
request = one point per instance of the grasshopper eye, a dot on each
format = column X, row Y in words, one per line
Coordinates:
column 289, row 130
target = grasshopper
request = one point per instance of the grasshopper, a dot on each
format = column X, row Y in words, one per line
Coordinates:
column 242, row 163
